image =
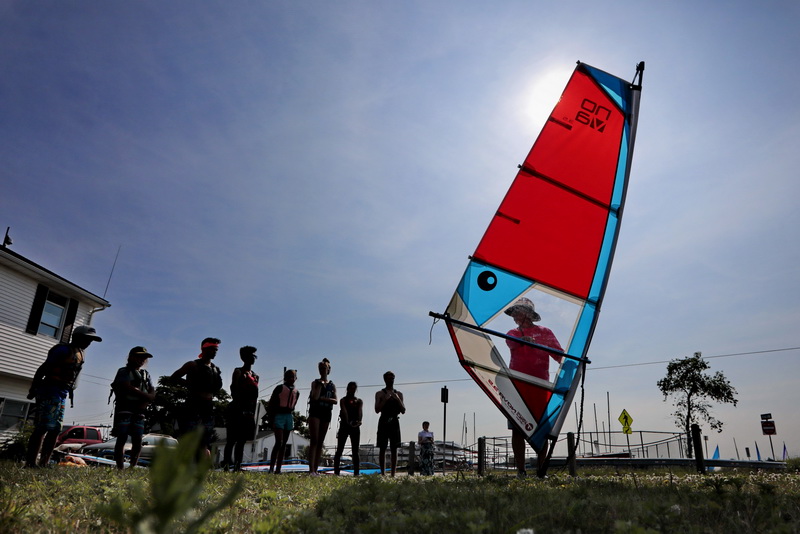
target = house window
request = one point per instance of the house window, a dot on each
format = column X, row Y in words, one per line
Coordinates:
column 52, row 314
column 12, row 413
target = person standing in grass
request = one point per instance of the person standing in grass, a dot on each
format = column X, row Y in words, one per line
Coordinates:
column 203, row 381
column 425, row 440
column 531, row 361
column 322, row 399
column 240, row 415
column 133, row 391
column 389, row 403
column 350, row 415
column 52, row 383
column 280, row 417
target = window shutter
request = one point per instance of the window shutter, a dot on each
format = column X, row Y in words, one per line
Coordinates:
column 69, row 320
column 36, row 310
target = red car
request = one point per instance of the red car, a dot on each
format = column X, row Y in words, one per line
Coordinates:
column 79, row 434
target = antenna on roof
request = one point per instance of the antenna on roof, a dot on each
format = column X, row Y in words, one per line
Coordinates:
column 7, row 239
column 112, row 271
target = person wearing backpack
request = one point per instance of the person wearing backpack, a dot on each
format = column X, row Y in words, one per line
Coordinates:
column 134, row 392
column 203, row 382
column 54, row 381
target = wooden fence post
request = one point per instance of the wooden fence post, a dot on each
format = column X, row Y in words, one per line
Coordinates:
column 571, row 461
column 481, row 456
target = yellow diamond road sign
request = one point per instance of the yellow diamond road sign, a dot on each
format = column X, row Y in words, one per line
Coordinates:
column 626, row 420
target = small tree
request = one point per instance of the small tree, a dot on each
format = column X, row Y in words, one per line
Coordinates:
column 693, row 391
column 170, row 404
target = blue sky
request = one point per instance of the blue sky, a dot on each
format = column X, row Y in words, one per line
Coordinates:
column 310, row 179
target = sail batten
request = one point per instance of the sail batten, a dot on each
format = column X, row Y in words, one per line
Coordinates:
column 550, row 244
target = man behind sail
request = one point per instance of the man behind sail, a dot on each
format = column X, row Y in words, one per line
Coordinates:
column 531, row 361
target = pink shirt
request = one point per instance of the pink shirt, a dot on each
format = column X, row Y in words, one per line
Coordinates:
column 529, row 360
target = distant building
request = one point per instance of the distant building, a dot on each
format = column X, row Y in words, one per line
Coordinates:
column 38, row 308
column 259, row 449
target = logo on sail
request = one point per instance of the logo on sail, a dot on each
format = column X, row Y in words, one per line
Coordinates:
column 593, row 115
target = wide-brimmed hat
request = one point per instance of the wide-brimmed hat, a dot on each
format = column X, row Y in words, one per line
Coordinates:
column 86, row 331
column 525, row 307
column 139, row 351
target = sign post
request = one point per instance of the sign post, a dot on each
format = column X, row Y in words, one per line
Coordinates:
column 444, row 429
column 626, row 420
column 768, row 429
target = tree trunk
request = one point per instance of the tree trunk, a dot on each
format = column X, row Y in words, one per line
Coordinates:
column 688, row 427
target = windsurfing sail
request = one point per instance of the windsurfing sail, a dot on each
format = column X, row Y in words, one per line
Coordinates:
column 551, row 241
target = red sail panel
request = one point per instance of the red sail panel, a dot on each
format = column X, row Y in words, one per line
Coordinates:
column 536, row 398
column 550, row 226
column 579, row 146
column 547, row 234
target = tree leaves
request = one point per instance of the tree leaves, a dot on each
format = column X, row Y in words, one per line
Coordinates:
column 693, row 391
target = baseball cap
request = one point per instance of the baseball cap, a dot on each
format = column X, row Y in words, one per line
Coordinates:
column 139, row 351
column 87, row 331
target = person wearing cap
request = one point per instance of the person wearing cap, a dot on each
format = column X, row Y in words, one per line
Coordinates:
column 240, row 415
column 531, row 361
column 203, row 381
column 53, row 382
column 134, row 392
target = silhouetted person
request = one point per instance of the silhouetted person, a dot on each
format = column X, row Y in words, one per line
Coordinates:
column 53, row 382
column 389, row 403
column 133, row 391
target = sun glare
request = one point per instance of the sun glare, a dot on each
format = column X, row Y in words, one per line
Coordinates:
column 541, row 93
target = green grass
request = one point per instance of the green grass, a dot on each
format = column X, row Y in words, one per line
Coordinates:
column 79, row 500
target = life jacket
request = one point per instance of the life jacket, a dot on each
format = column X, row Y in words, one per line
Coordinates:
column 246, row 388
column 391, row 409
column 283, row 400
column 138, row 378
column 203, row 378
column 326, row 392
column 287, row 398
column 63, row 369
column 350, row 406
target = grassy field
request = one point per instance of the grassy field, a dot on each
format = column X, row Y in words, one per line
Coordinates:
column 65, row 499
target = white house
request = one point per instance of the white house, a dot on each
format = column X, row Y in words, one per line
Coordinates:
column 38, row 308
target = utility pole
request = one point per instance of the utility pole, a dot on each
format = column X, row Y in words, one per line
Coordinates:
column 444, row 429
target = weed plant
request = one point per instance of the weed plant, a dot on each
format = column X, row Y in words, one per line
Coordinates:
column 77, row 500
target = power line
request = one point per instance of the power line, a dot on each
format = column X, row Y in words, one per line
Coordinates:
column 589, row 368
column 704, row 357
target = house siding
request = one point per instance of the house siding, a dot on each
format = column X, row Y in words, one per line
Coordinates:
column 22, row 353
column 15, row 388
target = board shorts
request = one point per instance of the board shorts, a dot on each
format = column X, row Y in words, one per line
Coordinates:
column 323, row 413
column 128, row 424
column 283, row 421
column 49, row 413
column 200, row 415
column 389, row 430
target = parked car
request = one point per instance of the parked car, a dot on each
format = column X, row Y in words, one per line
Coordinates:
column 149, row 443
column 79, row 434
